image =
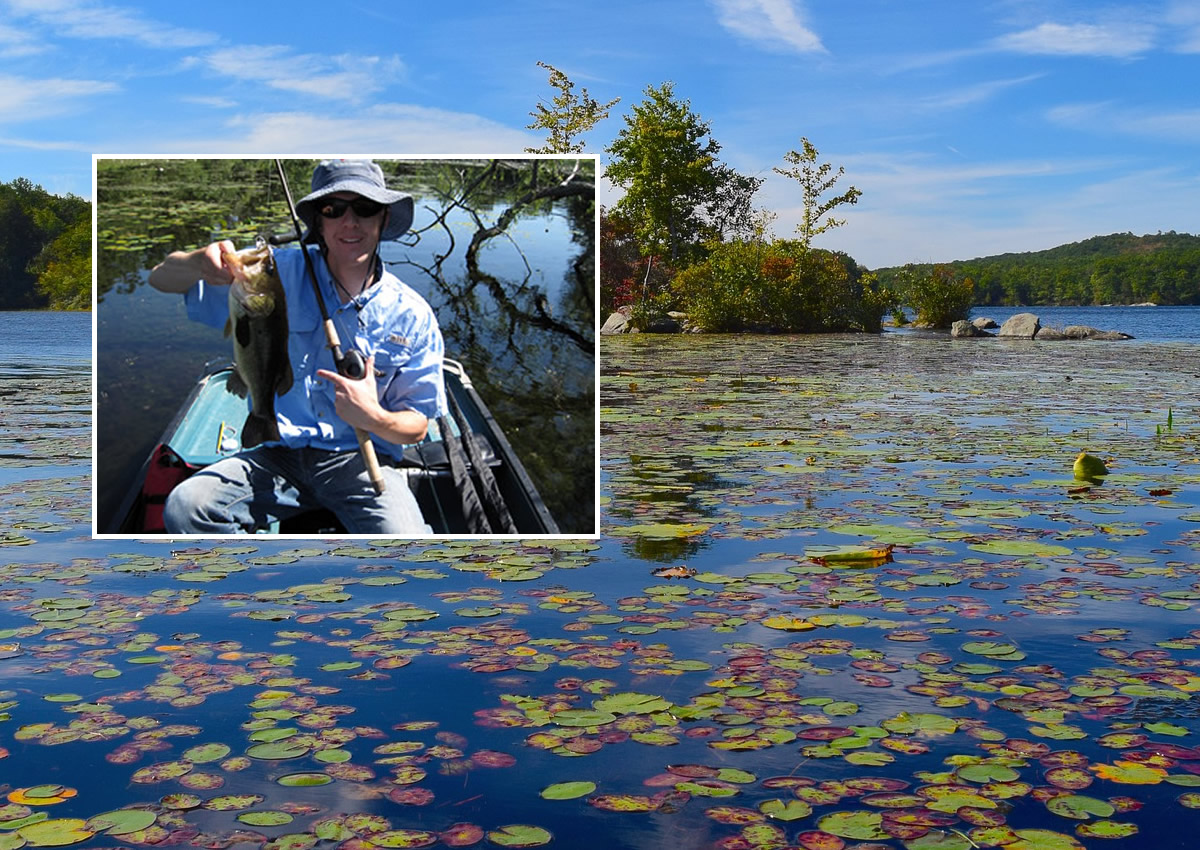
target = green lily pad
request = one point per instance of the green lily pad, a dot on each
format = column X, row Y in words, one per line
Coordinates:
column 568, row 790
column 304, row 780
column 788, row 810
column 519, row 835
column 265, row 818
column 121, row 821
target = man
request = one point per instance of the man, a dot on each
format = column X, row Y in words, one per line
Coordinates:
column 317, row 463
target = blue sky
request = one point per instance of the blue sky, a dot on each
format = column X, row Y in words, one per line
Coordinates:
column 971, row 128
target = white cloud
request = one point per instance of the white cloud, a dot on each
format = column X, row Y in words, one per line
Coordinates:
column 777, row 24
column 1176, row 125
column 90, row 20
column 1120, row 41
column 15, row 43
column 344, row 77
column 970, row 95
column 25, row 99
column 384, row 129
column 1184, row 18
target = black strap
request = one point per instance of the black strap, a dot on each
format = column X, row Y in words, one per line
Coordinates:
column 497, row 508
column 473, row 513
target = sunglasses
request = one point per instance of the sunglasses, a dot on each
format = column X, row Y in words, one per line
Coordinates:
column 363, row 208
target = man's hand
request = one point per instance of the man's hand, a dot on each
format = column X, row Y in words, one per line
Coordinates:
column 181, row 269
column 357, row 401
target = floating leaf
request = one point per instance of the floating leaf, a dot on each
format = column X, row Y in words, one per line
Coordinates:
column 785, row 810
column 121, row 821
column 519, row 835
column 1079, row 807
column 568, row 790
column 56, row 833
column 264, row 818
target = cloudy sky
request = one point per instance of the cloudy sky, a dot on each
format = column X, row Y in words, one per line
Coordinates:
column 971, row 128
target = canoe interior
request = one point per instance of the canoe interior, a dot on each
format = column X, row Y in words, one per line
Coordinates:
column 208, row 428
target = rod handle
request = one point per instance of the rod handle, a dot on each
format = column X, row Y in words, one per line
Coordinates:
column 367, row 449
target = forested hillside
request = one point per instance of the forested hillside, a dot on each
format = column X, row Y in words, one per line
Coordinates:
column 45, row 249
column 1163, row 268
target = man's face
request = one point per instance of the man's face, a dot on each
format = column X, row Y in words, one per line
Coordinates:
column 350, row 236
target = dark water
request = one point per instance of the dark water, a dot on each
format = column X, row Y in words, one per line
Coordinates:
column 537, row 379
column 1027, row 621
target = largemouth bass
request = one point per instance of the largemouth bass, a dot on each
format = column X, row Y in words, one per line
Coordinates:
column 258, row 325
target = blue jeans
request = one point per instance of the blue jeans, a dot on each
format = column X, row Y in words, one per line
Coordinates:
column 252, row 489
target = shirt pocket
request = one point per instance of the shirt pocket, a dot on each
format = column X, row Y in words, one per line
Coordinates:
column 391, row 356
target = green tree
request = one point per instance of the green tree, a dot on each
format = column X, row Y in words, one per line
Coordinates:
column 815, row 181
column 678, row 195
column 65, row 268
column 567, row 116
column 938, row 296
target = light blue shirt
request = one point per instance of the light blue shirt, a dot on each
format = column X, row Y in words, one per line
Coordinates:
column 390, row 321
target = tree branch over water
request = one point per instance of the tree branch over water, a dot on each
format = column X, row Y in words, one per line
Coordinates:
column 479, row 191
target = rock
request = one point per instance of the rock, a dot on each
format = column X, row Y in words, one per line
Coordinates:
column 1021, row 326
column 665, row 325
column 984, row 323
column 963, row 328
column 1050, row 334
column 1088, row 332
column 617, row 323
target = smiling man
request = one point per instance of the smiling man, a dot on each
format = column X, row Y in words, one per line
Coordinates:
column 315, row 461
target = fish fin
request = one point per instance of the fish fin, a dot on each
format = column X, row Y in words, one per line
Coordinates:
column 285, row 380
column 259, row 429
column 228, row 327
column 241, row 330
column 236, row 384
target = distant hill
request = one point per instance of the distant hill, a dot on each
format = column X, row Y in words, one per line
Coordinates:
column 1163, row 268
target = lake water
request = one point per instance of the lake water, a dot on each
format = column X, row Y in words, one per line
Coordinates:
column 1148, row 324
column 1022, row 669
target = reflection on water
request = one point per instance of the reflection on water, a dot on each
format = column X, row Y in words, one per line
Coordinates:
column 522, row 322
column 1025, row 625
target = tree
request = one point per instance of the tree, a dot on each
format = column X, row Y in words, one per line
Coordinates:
column 65, row 268
column 567, row 116
column 938, row 296
column 815, row 180
column 678, row 195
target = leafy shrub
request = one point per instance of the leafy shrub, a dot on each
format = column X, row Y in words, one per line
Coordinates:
column 939, row 297
column 779, row 286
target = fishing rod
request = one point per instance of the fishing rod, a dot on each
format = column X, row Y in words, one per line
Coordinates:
column 349, row 364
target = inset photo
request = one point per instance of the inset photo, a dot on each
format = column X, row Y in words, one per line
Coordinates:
column 370, row 346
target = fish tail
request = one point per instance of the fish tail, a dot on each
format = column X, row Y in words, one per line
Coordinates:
column 259, row 429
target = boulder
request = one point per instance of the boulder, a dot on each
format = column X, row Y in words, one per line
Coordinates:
column 1021, row 326
column 963, row 328
column 666, row 325
column 617, row 323
column 984, row 323
column 1051, row 334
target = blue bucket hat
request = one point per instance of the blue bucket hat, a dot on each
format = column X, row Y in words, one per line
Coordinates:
column 364, row 178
